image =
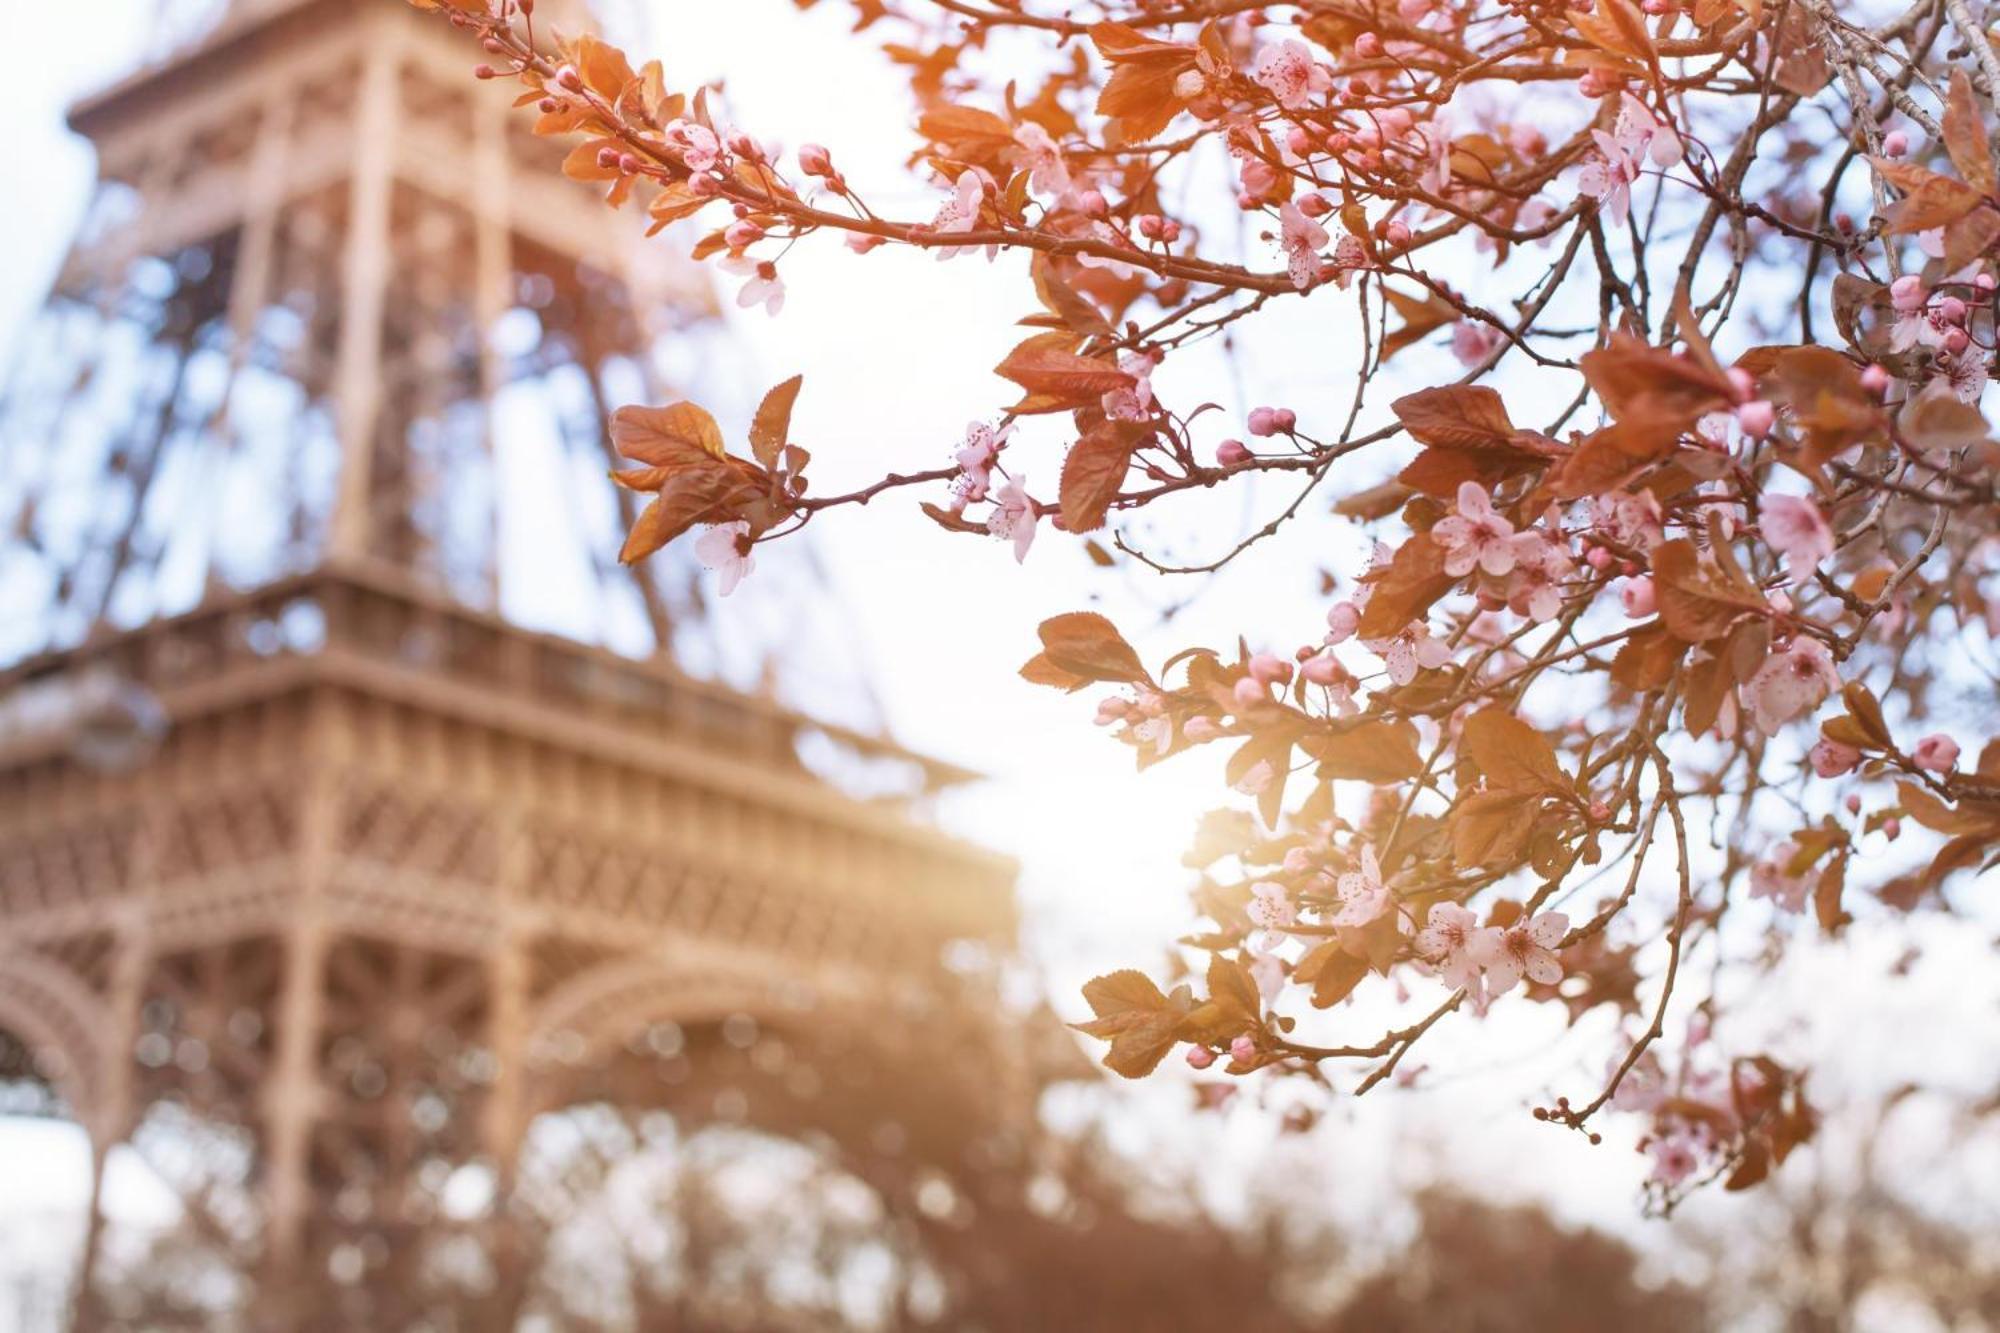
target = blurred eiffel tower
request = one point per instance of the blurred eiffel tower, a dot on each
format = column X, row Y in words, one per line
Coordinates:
column 321, row 879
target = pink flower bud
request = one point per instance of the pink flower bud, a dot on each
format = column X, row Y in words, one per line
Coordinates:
column 740, row 234
column 1956, row 341
column 1314, row 205
column 1600, row 559
column 1639, row 597
column 1232, row 452
column 1742, row 383
column 1170, row 230
column 1895, row 143
column 1938, row 752
column 1112, row 710
column 743, row 145
column 1396, row 234
column 1299, row 140
column 568, row 78
column 1243, row 1050
column 1324, row 669
column 703, row 187
column 1951, row 310
column 1875, row 379
column 1190, row 84
column 814, row 160
column 1093, row 204
column 1394, row 120
column 1368, row 46
column 861, row 243
column 1148, row 225
column 1249, row 692
column 1832, row 759
column 1907, row 293
column 1270, row 669
column 1756, row 417
column 1200, row 1057
column 1985, row 282
column 1853, row 803
column 1263, row 421
column 1892, row 828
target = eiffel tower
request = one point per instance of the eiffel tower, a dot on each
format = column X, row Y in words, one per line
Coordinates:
column 323, row 879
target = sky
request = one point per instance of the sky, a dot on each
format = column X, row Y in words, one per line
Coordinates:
column 895, row 349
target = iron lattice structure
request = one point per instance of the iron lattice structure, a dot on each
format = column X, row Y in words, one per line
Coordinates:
column 321, row 881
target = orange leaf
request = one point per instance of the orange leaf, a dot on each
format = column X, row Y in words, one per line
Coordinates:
column 1094, row 471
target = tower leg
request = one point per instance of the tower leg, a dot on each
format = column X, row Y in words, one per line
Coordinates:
column 289, row 1114
column 86, row 1314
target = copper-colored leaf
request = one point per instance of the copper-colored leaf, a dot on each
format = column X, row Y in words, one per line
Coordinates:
column 1406, row 590
column 1377, row 750
column 1929, row 199
column 1512, row 755
column 1698, row 603
column 1965, row 135
column 1047, row 365
column 1085, row 644
column 666, row 436
column 1094, row 472
column 772, row 426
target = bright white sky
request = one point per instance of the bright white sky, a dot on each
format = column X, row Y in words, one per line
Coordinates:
column 895, row 349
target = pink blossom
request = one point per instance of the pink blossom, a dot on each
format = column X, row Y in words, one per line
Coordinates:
column 1938, row 752
column 1772, row 878
column 1445, row 945
column 1534, row 589
column 1288, row 72
column 1043, row 159
column 1608, row 177
column 1525, row 948
column 1134, row 402
column 1013, row 517
column 1200, row 1057
column 1794, row 680
column 1256, row 779
column 696, row 144
column 976, row 456
column 1363, row 895
column 1796, row 529
column 1474, row 342
column 1675, row 1157
column 1412, row 648
column 1270, row 908
column 1243, row 1050
column 960, row 213
column 765, row 287
column 1475, row 535
column 726, row 548
column 1303, row 239
column 1641, row 134
column 1831, row 759
column 1631, row 520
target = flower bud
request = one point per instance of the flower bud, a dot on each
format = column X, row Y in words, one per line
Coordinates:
column 1270, row 669
column 1956, row 341
column 1243, row 1050
column 1368, row 46
column 1875, row 379
column 1230, row 453
column 568, row 78
column 704, row 187
column 1324, row 669
column 1112, row 711
column 1853, row 803
column 1201, row 729
column 1639, row 597
column 1249, row 692
column 1396, row 234
column 1200, row 1057
column 1951, row 310
column 1895, row 144
column 1093, row 204
column 1832, row 759
column 1907, row 293
column 1314, row 205
column 814, row 160
column 1263, row 421
column 1938, row 752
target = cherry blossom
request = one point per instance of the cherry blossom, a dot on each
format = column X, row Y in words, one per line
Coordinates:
column 1772, row 878
column 1408, row 650
column 1792, row 681
column 695, row 142
column 1014, row 516
column 1796, row 529
column 1445, row 943
column 1476, row 536
column 1527, row 947
column 975, row 459
column 726, row 549
column 1303, row 239
column 1534, row 589
column 1475, row 342
column 764, row 288
column 1640, row 133
column 1271, row 909
column 1288, row 72
column 960, row 213
column 1363, row 895
column 1831, row 759
column 1048, row 172
column 1608, row 177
